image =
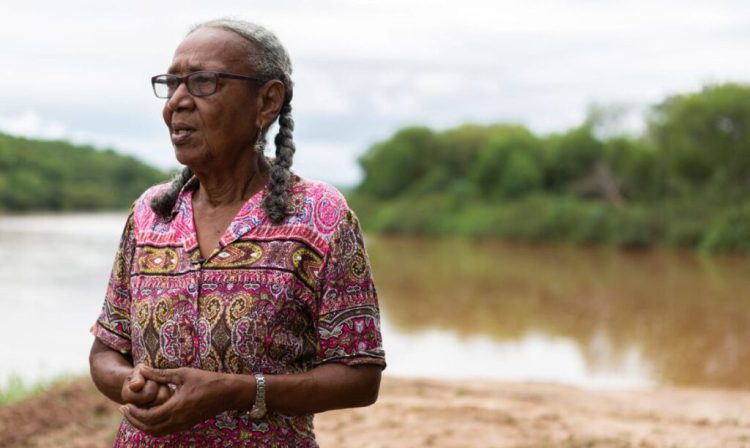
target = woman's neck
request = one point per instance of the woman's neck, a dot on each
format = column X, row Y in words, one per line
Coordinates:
column 235, row 184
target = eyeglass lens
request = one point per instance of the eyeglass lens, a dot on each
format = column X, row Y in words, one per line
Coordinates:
column 198, row 84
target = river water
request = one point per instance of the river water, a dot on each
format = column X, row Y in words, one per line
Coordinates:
column 592, row 317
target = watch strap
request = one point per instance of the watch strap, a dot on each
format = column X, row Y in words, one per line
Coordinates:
column 259, row 407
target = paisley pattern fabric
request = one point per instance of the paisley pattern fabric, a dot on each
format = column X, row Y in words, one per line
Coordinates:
column 271, row 298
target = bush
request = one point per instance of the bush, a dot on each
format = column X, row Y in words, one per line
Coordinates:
column 730, row 232
column 637, row 228
column 509, row 164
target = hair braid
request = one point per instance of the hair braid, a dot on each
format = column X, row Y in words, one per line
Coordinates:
column 276, row 204
column 163, row 203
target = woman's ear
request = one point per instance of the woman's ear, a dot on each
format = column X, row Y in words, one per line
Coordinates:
column 270, row 100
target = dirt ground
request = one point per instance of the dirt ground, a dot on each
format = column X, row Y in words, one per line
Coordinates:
column 416, row 413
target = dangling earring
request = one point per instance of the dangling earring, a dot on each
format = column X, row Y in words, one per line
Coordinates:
column 259, row 146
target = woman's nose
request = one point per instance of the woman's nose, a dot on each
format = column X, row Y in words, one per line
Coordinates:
column 181, row 98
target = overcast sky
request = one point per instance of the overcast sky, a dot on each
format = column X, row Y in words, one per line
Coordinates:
column 362, row 69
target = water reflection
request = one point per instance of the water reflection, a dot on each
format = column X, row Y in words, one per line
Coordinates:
column 687, row 317
column 592, row 317
column 52, row 282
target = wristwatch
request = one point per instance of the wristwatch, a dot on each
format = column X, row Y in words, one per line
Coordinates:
column 259, row 407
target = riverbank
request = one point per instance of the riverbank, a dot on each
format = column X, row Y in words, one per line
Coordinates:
column 703, row 223
column 412, row 413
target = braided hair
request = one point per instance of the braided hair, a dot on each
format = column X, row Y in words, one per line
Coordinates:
column 270, row 60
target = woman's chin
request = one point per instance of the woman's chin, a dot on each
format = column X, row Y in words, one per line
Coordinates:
column 189, row 157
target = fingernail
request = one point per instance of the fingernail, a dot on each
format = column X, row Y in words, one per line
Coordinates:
column 122, row 410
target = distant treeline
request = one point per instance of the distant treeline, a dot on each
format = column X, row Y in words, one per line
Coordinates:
column 683, row 182
column 59, row 176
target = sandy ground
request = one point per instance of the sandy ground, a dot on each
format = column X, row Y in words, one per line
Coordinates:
column 416, row 413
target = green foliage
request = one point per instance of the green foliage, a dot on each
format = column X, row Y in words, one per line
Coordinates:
column 55, row 175
column 508, row 164
column 705, row 138
column 681, row 183
column 730, row 232
column 394, row 166
column 462, row 145
column 570, row 156
column 640, row 168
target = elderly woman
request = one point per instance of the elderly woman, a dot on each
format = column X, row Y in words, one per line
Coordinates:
column 241, row 300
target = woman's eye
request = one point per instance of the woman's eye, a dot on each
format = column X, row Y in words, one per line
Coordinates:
column 203, row 79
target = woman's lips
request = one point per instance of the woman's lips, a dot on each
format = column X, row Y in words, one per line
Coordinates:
column 181, row 136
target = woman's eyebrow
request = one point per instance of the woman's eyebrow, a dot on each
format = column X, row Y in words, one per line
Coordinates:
column 189, row 69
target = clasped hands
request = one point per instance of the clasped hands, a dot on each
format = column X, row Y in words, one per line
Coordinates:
column 161, row 402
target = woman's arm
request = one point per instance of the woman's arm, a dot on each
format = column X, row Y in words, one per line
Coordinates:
column 326, row 387
column 109, row 370
column 117, row 378
column 201, row 394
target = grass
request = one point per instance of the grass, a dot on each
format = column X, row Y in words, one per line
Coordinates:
column 17, row 389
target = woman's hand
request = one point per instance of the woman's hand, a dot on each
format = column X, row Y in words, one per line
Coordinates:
column 115, row 376
column 142, row 392
column 202, row 394
column 199, row 394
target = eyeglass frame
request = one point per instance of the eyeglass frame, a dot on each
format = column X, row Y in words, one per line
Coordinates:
column 184, row 79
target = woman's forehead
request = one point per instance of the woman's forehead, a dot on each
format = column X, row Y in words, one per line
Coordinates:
column 211, row 49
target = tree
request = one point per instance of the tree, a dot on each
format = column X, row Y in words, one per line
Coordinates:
column 55, row 175
column 509, row 164
column 393, row 166
column 705, row 137
column 571, row 156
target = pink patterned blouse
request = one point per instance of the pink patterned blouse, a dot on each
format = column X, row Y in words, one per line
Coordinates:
column 271, row 298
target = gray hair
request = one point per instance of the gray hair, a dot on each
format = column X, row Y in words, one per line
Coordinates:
column 269, row 60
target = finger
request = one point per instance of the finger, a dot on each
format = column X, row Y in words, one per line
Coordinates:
column 162, row 395
column 129, row 396
column 156, row 429
column 136, row 381
column 163, row 376
column 153, row 415
column 146, row 395
column 149, row 391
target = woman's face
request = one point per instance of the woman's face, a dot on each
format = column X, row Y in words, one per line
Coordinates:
column 212, row 132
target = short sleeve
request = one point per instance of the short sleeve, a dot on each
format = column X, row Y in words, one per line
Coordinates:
column 348, row 313
column 113, row 325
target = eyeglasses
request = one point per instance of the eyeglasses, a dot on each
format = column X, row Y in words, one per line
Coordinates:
column 198, row 83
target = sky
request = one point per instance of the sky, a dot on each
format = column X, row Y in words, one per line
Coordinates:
column 80, row 70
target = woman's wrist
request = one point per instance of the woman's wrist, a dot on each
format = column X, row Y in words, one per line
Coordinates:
column 109, row 371
column 240, row 392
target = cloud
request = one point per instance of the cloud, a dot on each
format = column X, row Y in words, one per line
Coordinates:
column 29, row 124
column 365, row 68
column 318, row 92
column 337, row 161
